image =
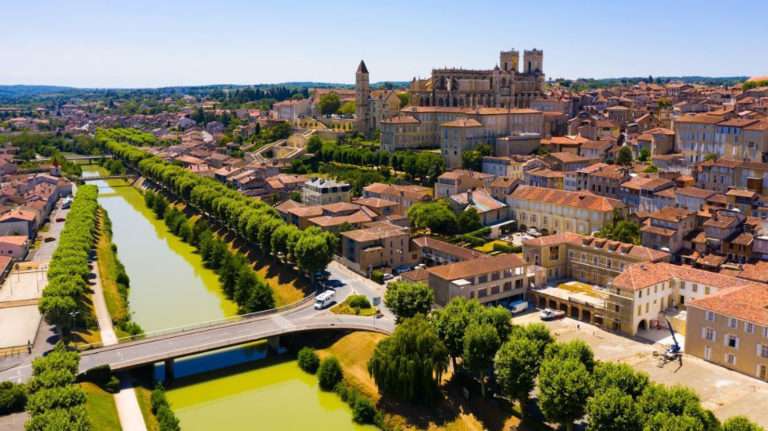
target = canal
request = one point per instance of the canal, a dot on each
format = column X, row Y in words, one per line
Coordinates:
column 170, row 286
column 232, row 389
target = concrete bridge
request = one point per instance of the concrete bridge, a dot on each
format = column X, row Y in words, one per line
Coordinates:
column 109, row 177
column 77, row 159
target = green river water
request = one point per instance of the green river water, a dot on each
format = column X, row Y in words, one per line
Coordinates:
column 170, row 287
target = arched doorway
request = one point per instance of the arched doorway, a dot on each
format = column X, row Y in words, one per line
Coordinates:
column 642, row 326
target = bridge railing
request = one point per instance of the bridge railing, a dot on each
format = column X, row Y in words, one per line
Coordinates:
column 169, row 332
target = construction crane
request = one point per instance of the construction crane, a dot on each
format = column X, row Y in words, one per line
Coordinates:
column 674, row 350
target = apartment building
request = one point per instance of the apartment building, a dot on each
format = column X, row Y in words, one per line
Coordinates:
column 321, row 191
column 377, row 245
column 544, row 177
column 599, row 178
column 730, row 328
column 490, row 279
column 722, row 134
column 585, row 258
column 553, row 211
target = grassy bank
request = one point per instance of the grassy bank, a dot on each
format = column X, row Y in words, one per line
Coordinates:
column 453, row 412
column 101, row 408
column 144, row 396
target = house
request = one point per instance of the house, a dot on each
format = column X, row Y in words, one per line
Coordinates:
column 490, row 210
column 15, row 246
column 501, row 277
column 667, row 229
column 638, row 192
column 20, row 222
column 544, row 177
column 433, row 251
column 405, row 195
column 459, row 181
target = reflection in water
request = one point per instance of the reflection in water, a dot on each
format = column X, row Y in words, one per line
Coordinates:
column 266, row 396
column 170, row 287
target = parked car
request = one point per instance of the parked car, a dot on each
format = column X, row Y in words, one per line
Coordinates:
column 388, row 276
column 549, row 314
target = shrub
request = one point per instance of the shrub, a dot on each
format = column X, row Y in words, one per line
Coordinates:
column 359, row 301
column 329, row 373
column 308, row 360
column 13, row 398
column 113, row 385
column 363, row 411
column 167, row 419
column 377, row 276
column 157, row 399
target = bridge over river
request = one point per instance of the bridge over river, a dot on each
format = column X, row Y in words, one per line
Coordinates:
column 166, row 346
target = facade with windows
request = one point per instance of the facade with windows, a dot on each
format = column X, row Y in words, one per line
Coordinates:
column 731, row 329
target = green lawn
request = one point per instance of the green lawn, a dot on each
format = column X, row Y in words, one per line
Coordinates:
column 345, row 308
column 101, row 409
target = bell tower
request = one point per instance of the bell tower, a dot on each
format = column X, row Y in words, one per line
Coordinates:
column 362, row 100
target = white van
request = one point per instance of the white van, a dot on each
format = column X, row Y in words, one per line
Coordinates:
column 324, row 299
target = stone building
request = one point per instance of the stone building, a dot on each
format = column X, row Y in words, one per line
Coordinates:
column 362, row 100
column 504, row 86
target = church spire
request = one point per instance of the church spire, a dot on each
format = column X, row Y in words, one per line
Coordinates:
column 361, row 68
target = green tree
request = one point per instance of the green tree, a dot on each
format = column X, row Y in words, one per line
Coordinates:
column 516, row 367
column 329, row 103
column 658, row 404
column 481, row 342
column 645, row 155
column 407, row 299
column 575, row 349
column 308, row 360
column 347, row 108
column 329, row 373
column 405, row 99
column 612, row 410
column 740, row 423
column 314, row 144
column 565, row 385
column 436, row 216
column 620, row 376
column 409, row 364
column 625, row 156
column 710, row 157
column 538, row 333
column 469, row 220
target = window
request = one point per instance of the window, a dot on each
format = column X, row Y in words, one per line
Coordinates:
column 707, row 353
column 733, row 323
column 695, row 287
column 730, row 359
column 709, row 334
column 749, row 328
column 483, row 278
column 762, row 350
column 709, row 316
column 507, row 286
column 732, row 341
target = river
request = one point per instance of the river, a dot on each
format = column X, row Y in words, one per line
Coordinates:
column 170, row 286
column 233, row 389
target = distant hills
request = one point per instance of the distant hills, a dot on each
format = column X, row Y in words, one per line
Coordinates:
column 37, row 93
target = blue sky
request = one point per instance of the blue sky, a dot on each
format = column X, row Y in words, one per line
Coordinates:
column 139, row 43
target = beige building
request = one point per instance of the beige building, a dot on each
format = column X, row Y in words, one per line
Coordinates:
column 668, row 228
column 457, row 181
column 428, row 127
column 553, row 211
column 486, row 279
column 505, row 86
column 722, row 134
column 730, row 328
column 379, row 245
column 587, row 259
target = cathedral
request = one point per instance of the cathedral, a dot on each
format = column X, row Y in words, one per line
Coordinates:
column 504, row 86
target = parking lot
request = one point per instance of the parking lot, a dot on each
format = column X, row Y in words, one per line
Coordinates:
column 725, row 392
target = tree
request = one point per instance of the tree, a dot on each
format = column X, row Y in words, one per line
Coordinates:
column 740, row 423
column 645, row 155
column 612, row 410
column 347, row 108
column 661, row 405
column 312, row 252
column 13, row 397
column 405, row 99
column 407, row 299
column 308, row 360
column 564, row 386
column 409, row 364
column 436, row 216
column 625, row 156
column 469, row 220
column 620, row 376
column 516, row 367
column 575, row 349
column 314, row 144
column 329, row 103
column 481, row 341
column 710, row 157
column 329, row 373
column 538, row 333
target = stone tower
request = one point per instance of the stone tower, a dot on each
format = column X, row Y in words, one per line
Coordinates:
column 533, row 61
column 508, row 60
column 362, row 100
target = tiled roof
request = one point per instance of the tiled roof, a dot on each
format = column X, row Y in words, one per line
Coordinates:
column 748, row 302
column 642, row 275
column 471, row 268
column 583, row 200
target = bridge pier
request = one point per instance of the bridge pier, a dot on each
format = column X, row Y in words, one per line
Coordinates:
column 169, row 370
column 273, row 344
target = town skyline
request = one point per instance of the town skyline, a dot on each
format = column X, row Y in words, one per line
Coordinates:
column 241, row 44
